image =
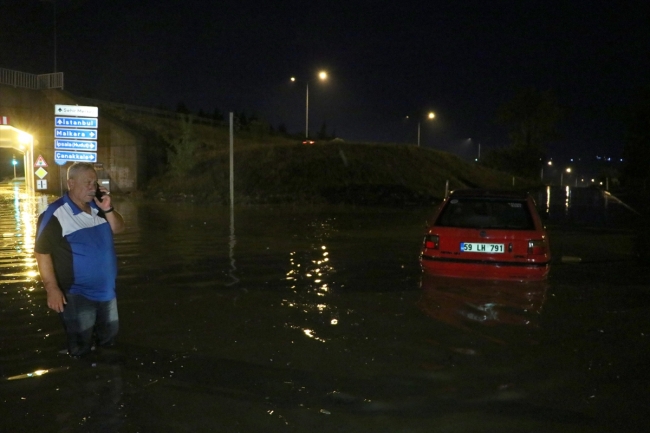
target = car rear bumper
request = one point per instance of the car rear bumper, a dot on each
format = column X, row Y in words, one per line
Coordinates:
column 523, row 271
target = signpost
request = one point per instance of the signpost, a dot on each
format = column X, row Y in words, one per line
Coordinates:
column 40, row 162
column 75, row 110
column 75, row 130
column 41, row 172
column 83, row 134
column 62, row 156
column 83, row 145
column 76, row 122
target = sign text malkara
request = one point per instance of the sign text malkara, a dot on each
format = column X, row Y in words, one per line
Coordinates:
column 82, row 134
column 75, row 110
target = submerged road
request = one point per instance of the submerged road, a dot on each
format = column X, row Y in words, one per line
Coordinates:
column 319, row 319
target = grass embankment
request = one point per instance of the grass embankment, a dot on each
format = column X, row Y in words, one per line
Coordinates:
column 274, row 169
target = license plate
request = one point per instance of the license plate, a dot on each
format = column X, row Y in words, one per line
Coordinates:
column 470, row 247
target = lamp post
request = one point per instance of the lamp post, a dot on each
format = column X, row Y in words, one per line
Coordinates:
column 568, row 170
column 430, row 116
column 550, row 163
column 14, row 163
column 322, row 75
column 27, row 145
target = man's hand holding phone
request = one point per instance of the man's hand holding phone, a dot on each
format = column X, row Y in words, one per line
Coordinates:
column 103, row 199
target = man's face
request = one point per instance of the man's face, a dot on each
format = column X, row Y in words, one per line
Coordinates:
column 82, row 186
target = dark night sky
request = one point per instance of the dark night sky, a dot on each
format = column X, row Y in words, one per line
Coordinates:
column 386, row 60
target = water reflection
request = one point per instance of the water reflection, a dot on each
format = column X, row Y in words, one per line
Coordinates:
column 36, row 373
column 232, row 242
column 321, row 322
column 309, row 274
column 580, row 205
column 21, row 302
column 17, row 244
column 474, row 305
column 31, row 335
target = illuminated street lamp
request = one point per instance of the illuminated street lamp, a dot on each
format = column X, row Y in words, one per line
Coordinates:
column 322, row 75
column 430, row 116
column 14, row 163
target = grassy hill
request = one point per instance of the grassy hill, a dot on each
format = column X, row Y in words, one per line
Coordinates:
column 270, row 168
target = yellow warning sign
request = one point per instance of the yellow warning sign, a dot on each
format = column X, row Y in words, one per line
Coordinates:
column 41, row 173
column 40, row 162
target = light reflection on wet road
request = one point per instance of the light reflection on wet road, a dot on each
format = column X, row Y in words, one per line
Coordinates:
column 318, row 319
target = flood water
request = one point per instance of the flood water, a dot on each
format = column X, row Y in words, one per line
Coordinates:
column 318, row 319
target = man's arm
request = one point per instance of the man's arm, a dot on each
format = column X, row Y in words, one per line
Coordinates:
column 55, row 297
column 113, row 217
column 115, row 220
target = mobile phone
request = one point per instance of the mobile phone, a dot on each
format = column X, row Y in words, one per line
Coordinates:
column 98, row 193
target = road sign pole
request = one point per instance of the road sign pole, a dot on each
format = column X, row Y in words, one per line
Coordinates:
column 232, row 161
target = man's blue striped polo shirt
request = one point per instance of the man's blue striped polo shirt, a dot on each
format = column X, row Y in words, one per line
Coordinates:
column 81, row 247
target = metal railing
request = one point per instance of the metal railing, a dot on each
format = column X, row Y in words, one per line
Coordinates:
column 31, row 81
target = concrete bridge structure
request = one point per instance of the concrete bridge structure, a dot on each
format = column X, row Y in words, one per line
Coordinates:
column 30, row 132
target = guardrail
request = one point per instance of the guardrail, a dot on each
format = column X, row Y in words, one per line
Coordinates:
column 31, row 81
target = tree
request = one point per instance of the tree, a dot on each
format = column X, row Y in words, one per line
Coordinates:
column 322, row 133
column 182, row 108
column 217, row 115
column 531, row 118
column 242, row 120
column 180, row 154
column 636, row 152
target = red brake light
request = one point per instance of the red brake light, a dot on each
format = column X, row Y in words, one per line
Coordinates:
column 537, row 247
column 432, row 242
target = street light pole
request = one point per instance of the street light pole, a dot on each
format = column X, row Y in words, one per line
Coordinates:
column 54, row 6
column 322, row 75
column 307, row 112
column 568, row 170
column 430, row 116
column 541, row 176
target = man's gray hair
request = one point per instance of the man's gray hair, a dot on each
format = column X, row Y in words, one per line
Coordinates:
column 79, row 166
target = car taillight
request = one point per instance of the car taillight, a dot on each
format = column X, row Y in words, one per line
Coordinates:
column 431, row 242
column 537, row 247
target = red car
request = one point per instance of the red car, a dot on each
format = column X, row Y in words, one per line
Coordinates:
column 487, row 234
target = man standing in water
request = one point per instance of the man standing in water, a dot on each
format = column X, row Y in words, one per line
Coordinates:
column 77, row 262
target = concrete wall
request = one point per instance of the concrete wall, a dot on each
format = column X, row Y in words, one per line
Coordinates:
column 119, row 147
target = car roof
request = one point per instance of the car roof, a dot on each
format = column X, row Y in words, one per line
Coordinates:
column 489, row 193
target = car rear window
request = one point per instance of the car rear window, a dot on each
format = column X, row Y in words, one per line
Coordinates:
column 486, row 213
